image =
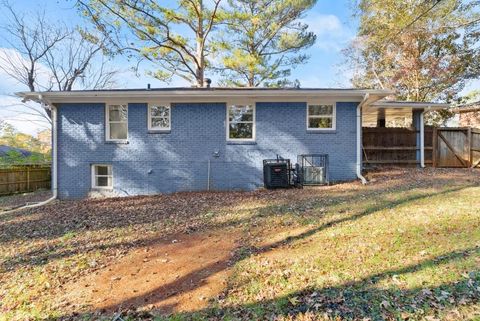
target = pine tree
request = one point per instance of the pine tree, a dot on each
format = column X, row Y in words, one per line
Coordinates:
column 263, row 41
column 176, row 38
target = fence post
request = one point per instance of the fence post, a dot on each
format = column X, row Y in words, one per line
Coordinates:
column 28, row 179
column 434, row 147
column 469, row 147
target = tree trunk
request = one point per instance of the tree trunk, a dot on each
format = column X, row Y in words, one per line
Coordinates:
column 200, row 75
column 251, row 80
column 200, row 71
column 31, row 81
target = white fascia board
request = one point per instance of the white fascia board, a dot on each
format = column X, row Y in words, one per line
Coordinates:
column 409, row 105
column 204, row 96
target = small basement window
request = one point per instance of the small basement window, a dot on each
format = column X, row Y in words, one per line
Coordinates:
column 159, row 116
column 102, row 177
column 321, row 116
column 241, row 122
column 117, row 122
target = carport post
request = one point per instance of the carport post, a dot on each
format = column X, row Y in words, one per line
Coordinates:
column 418, row 124
column 422, row 140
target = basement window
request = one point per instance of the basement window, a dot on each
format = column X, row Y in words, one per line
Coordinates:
column 117, row 123
column 241, row 122
column 159, row 116
column 321, row 117
column 102, row 177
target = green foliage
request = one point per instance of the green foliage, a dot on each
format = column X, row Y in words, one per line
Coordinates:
column 9, row 136
column 282, row 83
column 256, row 42
column 471, row 97
column 14, row 157
column 175, row 37
column 423, row 50
column 263, row 41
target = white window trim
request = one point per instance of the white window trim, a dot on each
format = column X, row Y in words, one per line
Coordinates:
column 93, row 178
column 254, row 121
column 107, row 122
column 333, row 116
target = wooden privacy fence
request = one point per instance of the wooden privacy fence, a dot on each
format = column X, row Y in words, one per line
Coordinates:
column 456, row 147
column 395, row 146
column 24, row 178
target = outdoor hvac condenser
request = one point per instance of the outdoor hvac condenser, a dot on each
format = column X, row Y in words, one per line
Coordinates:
column 313, row 169
column 276, row 173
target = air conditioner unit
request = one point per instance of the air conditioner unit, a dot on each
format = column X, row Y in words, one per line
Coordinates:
column 313, row 169
column 276, row 173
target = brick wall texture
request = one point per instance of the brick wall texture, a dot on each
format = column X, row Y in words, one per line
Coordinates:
column 153, row 163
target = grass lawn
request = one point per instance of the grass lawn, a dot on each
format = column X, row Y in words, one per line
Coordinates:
column 404, row 247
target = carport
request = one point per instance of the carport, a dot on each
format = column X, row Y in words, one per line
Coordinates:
column 394, row 133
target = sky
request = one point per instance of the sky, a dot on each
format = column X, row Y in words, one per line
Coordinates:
column 331, row 21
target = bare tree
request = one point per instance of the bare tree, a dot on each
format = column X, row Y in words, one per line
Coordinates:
column 60, row 53
column 31, row 40
column 78, row 61
column 44, row 56
column 27, row 112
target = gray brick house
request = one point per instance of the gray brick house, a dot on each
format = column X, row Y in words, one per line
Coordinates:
column 134, row 142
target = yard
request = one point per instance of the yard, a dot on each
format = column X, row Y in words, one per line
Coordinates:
column 404, row 247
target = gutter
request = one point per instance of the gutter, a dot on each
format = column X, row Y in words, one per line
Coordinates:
column 54, row 160
column 359, row 138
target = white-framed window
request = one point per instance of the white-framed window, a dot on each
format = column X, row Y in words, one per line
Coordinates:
column 159, row 116
column 116, row 116
column 241, row 122
column 102, row 176
column 321, row 116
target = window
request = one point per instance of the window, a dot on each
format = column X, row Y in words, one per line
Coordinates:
column 241, row 122
column 158, row 117
column 321, row 116
column 117, row 122
column 102, row 176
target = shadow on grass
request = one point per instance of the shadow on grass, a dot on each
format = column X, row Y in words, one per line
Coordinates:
column 54, row 221
column 194, row 278
column 358, row 300
column 56, row 251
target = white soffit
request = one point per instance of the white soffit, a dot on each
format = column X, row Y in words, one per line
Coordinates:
column 370, row 116
column 398, row 110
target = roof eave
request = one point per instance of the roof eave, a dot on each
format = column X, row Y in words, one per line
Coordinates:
column 462, row 110
column 410, row 105
column 87, row 96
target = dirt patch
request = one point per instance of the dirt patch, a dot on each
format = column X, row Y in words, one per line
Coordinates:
column 180, row 273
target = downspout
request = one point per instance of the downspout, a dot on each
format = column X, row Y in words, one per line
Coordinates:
column 359, row 139
column 54, row 161
column 422, row 140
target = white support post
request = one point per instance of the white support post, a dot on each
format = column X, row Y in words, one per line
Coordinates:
column 422, row 140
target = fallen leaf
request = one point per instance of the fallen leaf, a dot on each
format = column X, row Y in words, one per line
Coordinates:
column 293, row 300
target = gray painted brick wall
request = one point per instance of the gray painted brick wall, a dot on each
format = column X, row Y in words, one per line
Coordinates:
column 177, row 161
